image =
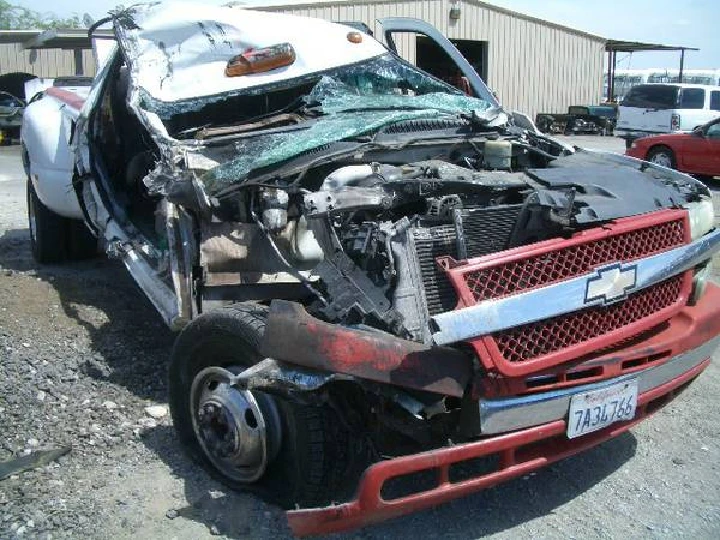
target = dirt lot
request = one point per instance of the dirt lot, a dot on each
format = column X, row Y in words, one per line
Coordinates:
column 83, row 355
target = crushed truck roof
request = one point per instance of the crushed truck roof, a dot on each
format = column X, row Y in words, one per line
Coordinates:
column 180, row 50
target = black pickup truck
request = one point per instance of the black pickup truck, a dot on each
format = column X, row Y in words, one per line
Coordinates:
column 593, row 119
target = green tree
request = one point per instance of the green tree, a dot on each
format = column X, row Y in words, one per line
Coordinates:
column 14, row 17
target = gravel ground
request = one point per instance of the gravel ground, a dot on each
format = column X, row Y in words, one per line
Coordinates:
column 83, row 359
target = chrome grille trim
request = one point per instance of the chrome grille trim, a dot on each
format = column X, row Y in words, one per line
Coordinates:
column 565, row 297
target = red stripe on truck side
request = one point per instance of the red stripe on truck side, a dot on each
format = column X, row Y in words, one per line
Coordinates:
column 67, row 97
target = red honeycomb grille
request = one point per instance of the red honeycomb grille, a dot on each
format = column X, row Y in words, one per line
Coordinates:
column 511, row 277
column 542, row 338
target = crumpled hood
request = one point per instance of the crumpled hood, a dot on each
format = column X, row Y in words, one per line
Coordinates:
column 603, row 186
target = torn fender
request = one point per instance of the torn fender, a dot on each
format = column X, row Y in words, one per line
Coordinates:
column 294, row 336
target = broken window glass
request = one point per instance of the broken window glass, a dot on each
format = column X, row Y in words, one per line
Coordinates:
column 353, row 101
column 346, row 102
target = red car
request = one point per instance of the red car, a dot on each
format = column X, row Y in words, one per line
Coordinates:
column 695, row 153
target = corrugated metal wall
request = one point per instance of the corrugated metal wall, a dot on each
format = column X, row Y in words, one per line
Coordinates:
column 46, row 63
column 534, row 66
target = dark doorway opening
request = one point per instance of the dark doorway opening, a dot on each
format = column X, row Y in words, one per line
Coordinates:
column 14, row 83
column 476, row 53
column 430, row 57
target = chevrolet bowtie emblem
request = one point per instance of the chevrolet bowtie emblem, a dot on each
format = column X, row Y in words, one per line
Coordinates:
column 610, row 284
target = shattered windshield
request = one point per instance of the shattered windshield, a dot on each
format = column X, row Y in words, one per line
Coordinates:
column 347, row 102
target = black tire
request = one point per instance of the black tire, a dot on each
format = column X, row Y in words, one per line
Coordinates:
column 47, row 230
column 55, row 238
column 662, row 155
column 81, row 244
column 319, row 459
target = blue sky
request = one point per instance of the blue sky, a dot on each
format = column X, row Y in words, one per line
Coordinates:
column 683, row 22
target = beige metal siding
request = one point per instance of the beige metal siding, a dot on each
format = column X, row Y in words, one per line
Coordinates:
column 88, row 63
column 46, row 63
column 534, row 66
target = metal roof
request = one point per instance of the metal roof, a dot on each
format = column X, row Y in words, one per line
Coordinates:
column 311, row 3
column 638, row 46
column 77, row 38
column 69, row 38
column 17, row 36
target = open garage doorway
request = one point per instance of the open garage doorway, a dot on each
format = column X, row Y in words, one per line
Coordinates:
column 14, row 83
column 431, row 58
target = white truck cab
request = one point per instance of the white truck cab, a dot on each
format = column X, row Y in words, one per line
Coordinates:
column 651, row 109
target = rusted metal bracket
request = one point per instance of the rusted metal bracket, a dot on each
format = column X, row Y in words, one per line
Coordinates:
column 295, row 337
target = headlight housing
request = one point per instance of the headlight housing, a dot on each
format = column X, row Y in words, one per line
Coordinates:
column 700, row 279
column 702, row 221
column 702, row 217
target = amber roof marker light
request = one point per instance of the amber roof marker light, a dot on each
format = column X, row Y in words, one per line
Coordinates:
column 354, row 37
column 260, row 60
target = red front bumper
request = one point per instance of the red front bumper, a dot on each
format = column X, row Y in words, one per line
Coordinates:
column 518, row 452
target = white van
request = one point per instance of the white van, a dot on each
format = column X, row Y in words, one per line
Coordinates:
column 649, row 109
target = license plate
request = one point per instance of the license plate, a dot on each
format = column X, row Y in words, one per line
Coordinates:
column 595, row 410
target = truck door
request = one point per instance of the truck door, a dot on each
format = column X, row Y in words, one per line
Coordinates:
column 701, row 152
column 470, row 82
column 392, row 26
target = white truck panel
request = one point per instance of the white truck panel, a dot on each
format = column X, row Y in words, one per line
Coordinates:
column 46, row 132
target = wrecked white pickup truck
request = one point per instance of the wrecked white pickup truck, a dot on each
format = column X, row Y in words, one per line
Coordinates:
column 376, row 275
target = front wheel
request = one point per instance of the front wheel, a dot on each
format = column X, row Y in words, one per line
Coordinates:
column 54, row 238
column 286, row 452
column 661, row 155
column 47, row 230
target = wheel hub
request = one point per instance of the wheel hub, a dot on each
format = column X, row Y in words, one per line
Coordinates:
column 662, row 159
column 237, row 434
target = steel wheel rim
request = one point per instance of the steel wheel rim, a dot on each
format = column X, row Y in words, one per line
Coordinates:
column 662, row 159
column 235, row 432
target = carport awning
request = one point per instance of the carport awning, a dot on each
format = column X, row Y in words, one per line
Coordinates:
column 637, row 46
column 17, row 36
column 614, row 46
column 71, row 38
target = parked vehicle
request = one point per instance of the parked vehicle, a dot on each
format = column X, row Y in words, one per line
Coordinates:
column 651, row 109
column 694, row 153
column 11, row 117
column 579, row 120
column 372, row 272
column 625, row 79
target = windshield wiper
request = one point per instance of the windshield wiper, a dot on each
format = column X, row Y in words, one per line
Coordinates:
column 277, row 120
column 282, row 116
column 389, row 108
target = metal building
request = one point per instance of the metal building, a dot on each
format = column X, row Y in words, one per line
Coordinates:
column 26, row 54
column 533, row 65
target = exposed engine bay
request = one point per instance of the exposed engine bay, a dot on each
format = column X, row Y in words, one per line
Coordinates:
column 341, row 190
column 363, row 237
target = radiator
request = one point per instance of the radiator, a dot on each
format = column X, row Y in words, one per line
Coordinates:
column 485, row 230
